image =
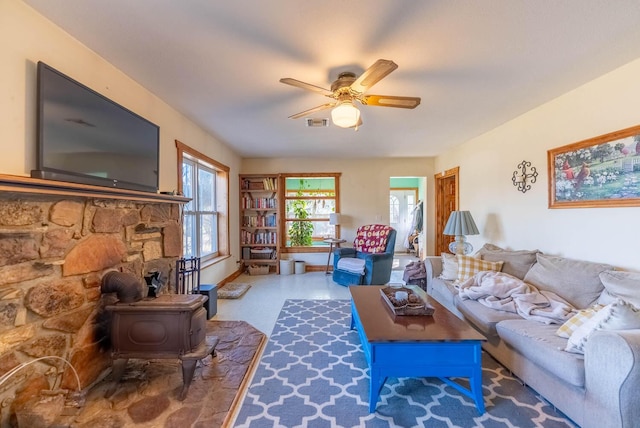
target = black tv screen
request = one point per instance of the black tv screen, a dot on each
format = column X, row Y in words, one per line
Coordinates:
column 83, row 137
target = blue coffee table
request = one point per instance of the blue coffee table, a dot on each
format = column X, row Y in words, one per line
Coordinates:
column 442, row 345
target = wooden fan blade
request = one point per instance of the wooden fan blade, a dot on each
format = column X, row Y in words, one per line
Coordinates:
column 312, row 110
column 391, row 101
column 373, row 75
column 307, row 86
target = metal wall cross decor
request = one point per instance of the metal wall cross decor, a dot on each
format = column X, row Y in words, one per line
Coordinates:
column 524, row 176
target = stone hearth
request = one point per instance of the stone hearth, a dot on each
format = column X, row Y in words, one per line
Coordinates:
column 53, row 253
column 147, row 396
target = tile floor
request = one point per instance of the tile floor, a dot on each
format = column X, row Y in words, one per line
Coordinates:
column 261, row 305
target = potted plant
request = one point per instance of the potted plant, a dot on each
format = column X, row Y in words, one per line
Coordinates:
column 300, row 232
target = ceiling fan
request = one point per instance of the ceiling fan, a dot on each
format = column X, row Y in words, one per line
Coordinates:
column 347, row 89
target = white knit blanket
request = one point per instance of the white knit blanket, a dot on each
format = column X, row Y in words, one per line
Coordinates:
column 501, row 291
column 351, row 264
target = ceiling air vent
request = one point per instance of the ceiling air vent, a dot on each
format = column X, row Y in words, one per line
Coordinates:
column 317, row 123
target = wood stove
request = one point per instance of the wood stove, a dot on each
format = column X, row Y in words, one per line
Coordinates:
column 167, row 326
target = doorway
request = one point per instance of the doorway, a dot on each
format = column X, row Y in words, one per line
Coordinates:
column 405, row 208
column 402, row 203
column 447, row 200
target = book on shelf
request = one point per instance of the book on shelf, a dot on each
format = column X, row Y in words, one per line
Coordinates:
column 259, row 203
column 259, row 220
column 266, row 183
column 258, row 237
column 269, row 203
column 269, row 183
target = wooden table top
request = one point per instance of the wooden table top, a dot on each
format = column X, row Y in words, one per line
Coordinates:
column 381, row 325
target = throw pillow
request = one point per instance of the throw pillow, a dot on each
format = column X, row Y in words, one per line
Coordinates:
column 469, row 266
column 577, row 320
column 623, row 285
column 449, row 267
column 372, row 238
column 576, row 281
column 516, row 262
column 619, row 315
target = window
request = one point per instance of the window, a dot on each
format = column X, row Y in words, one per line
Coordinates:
column 308, row 201
column 411, row 203
column 394, row 209
column 205, row 217
column 200, row 217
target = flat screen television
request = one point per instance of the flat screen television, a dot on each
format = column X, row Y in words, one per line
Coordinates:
column 83, row 137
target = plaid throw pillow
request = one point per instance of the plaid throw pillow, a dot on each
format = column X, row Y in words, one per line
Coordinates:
column 577, row 320
column 469, row 266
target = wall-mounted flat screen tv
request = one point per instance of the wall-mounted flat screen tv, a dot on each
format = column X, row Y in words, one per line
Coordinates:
column 83, row 137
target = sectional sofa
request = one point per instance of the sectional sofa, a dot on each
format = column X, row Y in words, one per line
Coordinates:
column 586, row 361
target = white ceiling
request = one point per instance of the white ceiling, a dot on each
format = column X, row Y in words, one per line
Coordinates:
column 475, row 64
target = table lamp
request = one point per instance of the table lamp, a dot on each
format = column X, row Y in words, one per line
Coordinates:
column 334, row 220
column 460, row 223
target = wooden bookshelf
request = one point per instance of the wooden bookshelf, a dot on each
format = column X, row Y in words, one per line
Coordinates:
column 259, row 221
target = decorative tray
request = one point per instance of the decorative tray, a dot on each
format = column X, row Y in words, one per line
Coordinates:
column 413, row 304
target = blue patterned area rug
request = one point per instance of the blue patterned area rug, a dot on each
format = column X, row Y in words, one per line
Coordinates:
column 313, row 373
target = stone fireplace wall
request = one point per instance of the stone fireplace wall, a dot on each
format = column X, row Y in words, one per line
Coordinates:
column 53, row 253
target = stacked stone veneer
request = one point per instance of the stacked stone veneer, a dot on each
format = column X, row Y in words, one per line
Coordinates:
column 53, row 253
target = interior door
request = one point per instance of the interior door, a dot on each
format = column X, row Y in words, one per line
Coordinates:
column 401, row 205
column 446, row 185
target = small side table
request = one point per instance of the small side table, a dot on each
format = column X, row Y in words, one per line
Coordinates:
column 332, row 242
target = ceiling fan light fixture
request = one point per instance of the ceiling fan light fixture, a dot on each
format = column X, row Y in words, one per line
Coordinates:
column 348, row 88
column 345, row 114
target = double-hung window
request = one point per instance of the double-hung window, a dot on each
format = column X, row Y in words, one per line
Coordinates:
column 205, row 217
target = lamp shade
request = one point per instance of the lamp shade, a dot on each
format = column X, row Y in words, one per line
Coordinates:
column 461, row 223
column 334, row 219
column 345, row 114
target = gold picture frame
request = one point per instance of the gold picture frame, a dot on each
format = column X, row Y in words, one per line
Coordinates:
column 599, row 172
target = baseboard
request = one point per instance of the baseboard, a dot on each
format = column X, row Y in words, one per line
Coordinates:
column 229, row 278
column 308, row 268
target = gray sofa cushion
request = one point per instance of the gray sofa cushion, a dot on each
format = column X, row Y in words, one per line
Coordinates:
column 444, row 291
column 539, row 343
column 516, row 262
column 483, row 318
column 576, row 281
column 619, row 284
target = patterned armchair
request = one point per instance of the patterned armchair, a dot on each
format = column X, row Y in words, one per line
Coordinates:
column 369, row 261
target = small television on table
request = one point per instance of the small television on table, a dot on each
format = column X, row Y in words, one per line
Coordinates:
column 84, row 137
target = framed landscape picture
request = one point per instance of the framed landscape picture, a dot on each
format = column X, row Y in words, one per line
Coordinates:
column 600, row 172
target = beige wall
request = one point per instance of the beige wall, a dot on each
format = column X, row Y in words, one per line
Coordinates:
column 364, row 188
column 505, row 216
column 26, row 38
column 523, row 221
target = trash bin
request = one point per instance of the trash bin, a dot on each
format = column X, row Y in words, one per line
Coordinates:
column 286, row 267
column 211, row 305
column 300, row 266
